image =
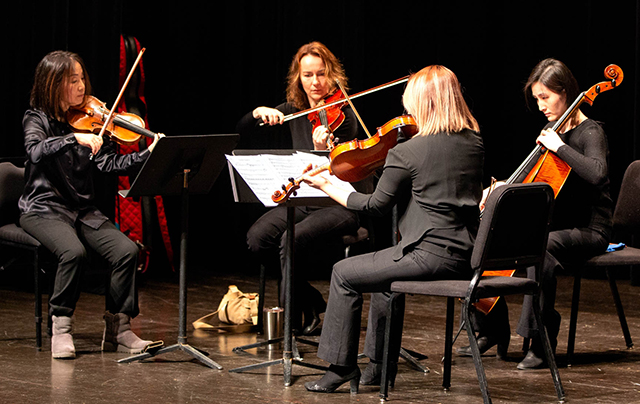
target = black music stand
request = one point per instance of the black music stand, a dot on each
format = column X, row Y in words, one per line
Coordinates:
column 182, row 165
column 290, row 356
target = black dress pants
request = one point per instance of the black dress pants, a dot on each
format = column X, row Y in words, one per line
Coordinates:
column 68, row 246
column 564, row 246
column 373, row 273
column 313, row 227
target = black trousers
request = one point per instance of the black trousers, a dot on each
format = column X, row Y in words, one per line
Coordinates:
column 570, row 246
column 314, row 227
column 69, row 246
column 373, row 273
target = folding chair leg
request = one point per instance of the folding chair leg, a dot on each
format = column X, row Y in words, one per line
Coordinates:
column 261, row 287
column 575, row 303
column 616, row 299
column 475, row 352
column 384, row 378
column 551, row 361
column 448, row 344
column 38, row 300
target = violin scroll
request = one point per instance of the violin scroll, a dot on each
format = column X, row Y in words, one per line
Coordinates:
column 287, row 190
column 614, row 74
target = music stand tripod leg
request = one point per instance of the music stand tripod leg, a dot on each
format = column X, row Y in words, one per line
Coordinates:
column 182, row 302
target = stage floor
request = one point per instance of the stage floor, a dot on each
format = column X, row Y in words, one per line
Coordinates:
column 603, row 370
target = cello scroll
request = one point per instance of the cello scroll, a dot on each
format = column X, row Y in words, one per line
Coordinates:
column 612, row 72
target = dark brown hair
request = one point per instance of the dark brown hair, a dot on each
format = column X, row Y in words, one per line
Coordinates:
column 554, row 75
column 334, row 70
column 51, row 73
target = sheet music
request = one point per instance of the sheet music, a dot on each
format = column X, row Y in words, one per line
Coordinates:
column 267, row 173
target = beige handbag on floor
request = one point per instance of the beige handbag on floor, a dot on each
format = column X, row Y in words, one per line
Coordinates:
column 236, row 308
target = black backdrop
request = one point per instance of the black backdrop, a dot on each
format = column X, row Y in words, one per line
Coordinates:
column 208, row 63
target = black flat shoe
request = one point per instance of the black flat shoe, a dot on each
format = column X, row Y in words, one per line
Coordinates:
column 313, row 327
column 312, row 318
column 335, row 377
column 373, row 373
column 486, row 343
column 532, row 361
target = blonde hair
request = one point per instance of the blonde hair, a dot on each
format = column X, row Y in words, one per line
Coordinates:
column 333, row 71
column 434, row 98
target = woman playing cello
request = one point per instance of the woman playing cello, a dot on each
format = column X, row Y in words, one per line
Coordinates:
column 582, row 219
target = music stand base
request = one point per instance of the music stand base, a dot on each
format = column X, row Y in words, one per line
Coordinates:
column 294, row 340
column 287, row 367
column 195, row 352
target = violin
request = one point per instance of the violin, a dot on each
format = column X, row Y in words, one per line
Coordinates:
column 550, row 168
column 357, row 159
column 90, row 117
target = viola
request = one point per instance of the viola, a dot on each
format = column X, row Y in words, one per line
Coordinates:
column 357, row 159
column 90, row 117
column 330, row 117
column 550, row 168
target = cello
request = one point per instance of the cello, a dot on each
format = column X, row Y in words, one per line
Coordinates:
column 549, row 168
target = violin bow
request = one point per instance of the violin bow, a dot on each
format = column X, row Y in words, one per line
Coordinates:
column 344, row 92
column 124, row 86
column 360, row 94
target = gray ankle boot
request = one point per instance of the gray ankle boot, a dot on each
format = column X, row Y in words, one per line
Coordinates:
column 118, row 335
column 61, row 340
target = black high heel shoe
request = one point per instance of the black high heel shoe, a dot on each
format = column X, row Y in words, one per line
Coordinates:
column 485, row 343
column 335, row 377
column 373, row 373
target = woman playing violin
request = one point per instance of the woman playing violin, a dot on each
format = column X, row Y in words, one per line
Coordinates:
column 436, row 179
column 582, row 217
column 57, row 204
column 312, row 77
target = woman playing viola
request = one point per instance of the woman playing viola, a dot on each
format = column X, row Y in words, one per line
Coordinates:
column 582, row 217
column 312, row 77
column 435, row 178
column 57, row 204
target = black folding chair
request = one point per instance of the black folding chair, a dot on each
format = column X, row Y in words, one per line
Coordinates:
column 12, row 235
column 626, row 221
column 512, row 235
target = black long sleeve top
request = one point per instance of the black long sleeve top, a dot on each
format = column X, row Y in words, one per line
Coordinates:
column 300, row 129
column 58, row 172
column 584, row 201
column 442, row 173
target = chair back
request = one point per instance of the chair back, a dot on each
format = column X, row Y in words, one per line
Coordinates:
column 514, row 228
column 626, row 216
column 11, row 187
